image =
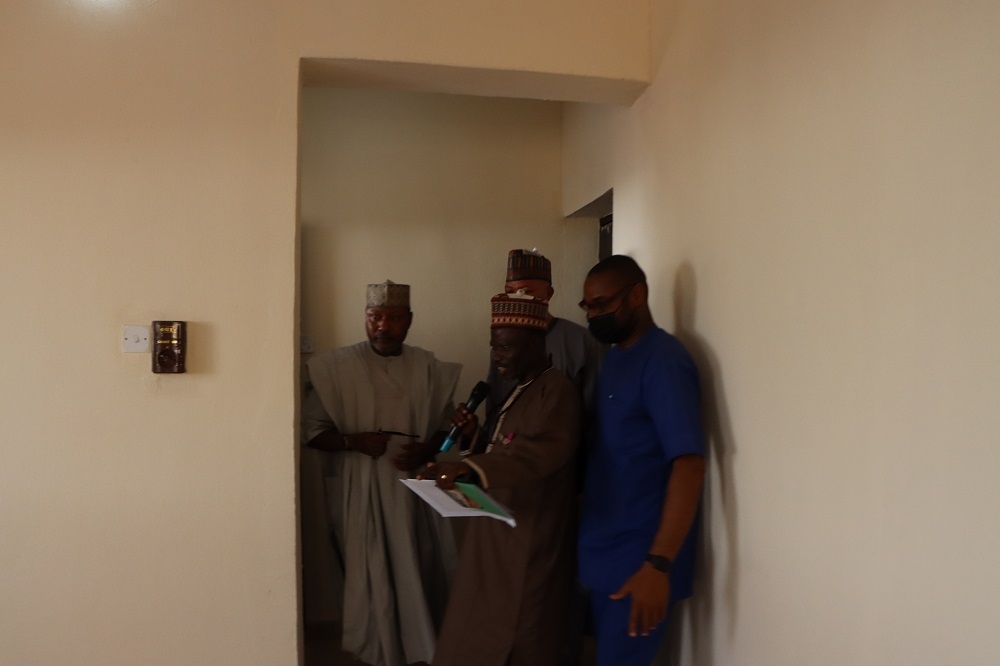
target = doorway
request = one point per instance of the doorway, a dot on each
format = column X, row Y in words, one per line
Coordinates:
column 604, row 237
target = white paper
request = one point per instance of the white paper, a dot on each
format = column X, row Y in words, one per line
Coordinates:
column 450, row 507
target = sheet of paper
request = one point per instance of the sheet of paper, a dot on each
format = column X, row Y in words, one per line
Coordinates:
column 468, row 500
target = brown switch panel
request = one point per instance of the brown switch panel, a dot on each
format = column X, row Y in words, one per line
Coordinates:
column 169, row 346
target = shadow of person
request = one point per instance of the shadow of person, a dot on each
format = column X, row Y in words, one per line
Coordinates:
column 716, row 570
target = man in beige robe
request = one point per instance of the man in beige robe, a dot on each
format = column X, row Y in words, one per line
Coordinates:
column 512, row 592
column 375, row 414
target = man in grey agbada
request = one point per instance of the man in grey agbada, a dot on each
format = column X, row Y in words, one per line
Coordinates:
column 377, row 413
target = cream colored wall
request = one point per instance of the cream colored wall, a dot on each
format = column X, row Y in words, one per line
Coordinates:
column 147, row 162
column 814, row 182
column 812, row 190
column 584, row 37
column 148, row 170
column 430, row 190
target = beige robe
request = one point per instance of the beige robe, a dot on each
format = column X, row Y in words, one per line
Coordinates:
column 511, row 594
column 398, row 555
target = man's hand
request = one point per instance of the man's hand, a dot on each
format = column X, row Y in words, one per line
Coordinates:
column 369, row 443
column 465, row 420
column 414, row 455
column 444, row 473
column 650, row 590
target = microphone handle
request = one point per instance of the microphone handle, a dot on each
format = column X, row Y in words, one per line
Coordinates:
column 449, row 441
column 452, row 437
column 473, row 403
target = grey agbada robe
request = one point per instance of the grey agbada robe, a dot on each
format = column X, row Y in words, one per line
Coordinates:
column 398, row 554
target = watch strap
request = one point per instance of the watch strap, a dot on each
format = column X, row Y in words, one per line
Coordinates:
column 659, row 562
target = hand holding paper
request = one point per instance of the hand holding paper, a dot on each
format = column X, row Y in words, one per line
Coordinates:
column 472, row 501
column 445, row 473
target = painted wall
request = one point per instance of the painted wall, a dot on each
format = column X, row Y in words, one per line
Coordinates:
column 812, row 186
column 812, row 190
column 147, row 162
column 432, row 191
column 148, row 170
column 583, row 37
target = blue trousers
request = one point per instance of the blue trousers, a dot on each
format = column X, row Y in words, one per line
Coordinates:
column 614, row 646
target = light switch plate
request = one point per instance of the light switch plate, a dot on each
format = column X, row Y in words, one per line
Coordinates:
column 135, row 338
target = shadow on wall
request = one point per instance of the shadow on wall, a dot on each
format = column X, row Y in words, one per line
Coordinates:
column 715, row 581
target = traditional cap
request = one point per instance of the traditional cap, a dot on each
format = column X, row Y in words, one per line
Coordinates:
column 388, row 295
column 513, row 311
column 528, row 265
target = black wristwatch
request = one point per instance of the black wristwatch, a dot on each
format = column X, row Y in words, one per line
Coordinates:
column 659, row 562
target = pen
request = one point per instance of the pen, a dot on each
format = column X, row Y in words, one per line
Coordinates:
column 396, row 432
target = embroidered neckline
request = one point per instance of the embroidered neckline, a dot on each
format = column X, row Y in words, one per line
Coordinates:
column 508, row 403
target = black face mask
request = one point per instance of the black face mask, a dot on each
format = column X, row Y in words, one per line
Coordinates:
column 605, row 328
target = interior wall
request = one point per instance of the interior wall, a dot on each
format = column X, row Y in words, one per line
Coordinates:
column 812, row 190
column 148, row 170
column 608, row 40
column 432, row 191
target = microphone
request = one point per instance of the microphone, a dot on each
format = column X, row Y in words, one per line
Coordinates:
column 479, row 393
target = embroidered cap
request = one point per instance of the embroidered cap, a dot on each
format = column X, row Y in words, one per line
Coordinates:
column 518, row 311
column 388, row 295
column 528, row 265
